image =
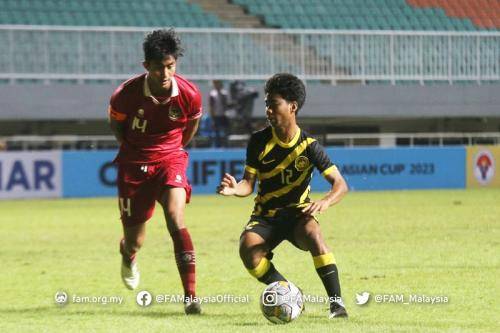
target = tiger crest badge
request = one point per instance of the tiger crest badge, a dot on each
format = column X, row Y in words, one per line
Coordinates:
column 301, row 163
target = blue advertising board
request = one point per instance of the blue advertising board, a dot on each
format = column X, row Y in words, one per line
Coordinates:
column 30, row 174
column 398, row 168
column 93, row 174
column 89, row 174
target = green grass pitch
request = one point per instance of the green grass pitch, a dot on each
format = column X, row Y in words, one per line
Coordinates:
column 435, row 243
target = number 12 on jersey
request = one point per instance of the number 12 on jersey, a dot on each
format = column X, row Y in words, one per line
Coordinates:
column 286, row 175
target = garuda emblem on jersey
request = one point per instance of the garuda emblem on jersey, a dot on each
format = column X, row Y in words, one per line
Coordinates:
column 301, row 163
column 174, row 113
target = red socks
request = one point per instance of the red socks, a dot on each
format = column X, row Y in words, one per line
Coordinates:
column 185, row 259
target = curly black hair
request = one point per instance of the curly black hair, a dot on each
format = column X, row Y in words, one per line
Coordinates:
column 290, row 87
column 162, row 43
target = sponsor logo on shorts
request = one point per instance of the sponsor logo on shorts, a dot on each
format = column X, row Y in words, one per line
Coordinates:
column 178, row 179
column 251, row 224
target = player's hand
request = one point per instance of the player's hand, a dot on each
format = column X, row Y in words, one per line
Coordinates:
column 315, row 207
column 227, row 185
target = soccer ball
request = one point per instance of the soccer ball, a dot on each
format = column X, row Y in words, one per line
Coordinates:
column 281, row 302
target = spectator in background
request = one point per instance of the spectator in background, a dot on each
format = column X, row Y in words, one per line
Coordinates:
column 218, row 105
column 242, row 99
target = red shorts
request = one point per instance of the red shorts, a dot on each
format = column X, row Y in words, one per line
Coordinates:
column 141, row 185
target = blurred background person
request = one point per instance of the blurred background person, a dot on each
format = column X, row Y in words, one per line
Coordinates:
column 243, row 98
column 218, row 105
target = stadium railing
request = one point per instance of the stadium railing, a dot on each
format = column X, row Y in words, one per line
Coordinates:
column 51, row 53
column 99, row 142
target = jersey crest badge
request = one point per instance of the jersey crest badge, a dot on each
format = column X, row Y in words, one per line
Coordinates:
column 174, row 113
column 301, row 163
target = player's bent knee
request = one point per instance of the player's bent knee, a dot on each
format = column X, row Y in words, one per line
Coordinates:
column 245, row 254
column 250, row 256
column 251, row 260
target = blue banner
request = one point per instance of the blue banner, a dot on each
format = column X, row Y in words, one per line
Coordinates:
column 93, row 174
column 206, row 167
column 89, row 174
column 398, row 168
column 30, row 174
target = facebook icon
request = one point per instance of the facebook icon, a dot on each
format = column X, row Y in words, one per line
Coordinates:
column 144, row 298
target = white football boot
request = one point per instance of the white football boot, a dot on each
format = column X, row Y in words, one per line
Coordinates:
column 130, row 275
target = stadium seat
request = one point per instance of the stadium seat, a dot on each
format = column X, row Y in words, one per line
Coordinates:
column 114, row 13
column 376, row 14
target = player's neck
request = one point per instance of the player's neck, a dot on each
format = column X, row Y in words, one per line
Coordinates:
column 286, row 133
column 159, row 91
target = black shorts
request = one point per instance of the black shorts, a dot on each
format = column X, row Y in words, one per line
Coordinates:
column 275, row 229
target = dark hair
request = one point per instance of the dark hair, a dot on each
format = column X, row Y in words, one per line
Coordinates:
column 162, row 43
column 288, row 86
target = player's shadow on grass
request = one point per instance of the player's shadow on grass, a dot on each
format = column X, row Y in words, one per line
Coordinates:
column 71, row 311
column 146, row 313
column 38, row 309
column 248, row 323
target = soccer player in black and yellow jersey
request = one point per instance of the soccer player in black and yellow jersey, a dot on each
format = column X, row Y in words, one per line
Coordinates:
column 282, row 157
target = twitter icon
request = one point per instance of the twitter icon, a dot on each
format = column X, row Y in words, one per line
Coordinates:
column 363, row 298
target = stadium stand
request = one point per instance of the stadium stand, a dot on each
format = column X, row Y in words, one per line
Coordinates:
column 462, row 15
column 94, row 44
column 177, row 13
column 483, row 13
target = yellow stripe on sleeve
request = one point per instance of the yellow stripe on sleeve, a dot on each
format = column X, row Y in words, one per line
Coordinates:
column 329, row 170
column 251, row 170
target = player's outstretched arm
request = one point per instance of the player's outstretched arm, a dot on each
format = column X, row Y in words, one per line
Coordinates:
column 229, row 186
column 337, row 192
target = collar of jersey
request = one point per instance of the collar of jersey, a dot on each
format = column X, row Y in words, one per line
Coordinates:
column 285, row 144
column 147, row 91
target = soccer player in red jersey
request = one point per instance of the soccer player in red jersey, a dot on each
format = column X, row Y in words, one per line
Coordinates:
column 153, row 116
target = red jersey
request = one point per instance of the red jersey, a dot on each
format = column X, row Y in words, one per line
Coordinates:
column 153, row 128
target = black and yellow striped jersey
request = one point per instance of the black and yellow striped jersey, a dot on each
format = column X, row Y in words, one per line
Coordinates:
column 284, row 170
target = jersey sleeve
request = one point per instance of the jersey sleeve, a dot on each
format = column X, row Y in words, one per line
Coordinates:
column 252, row 158
column 117, row 108
column 195, row 109
column 320, row 159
